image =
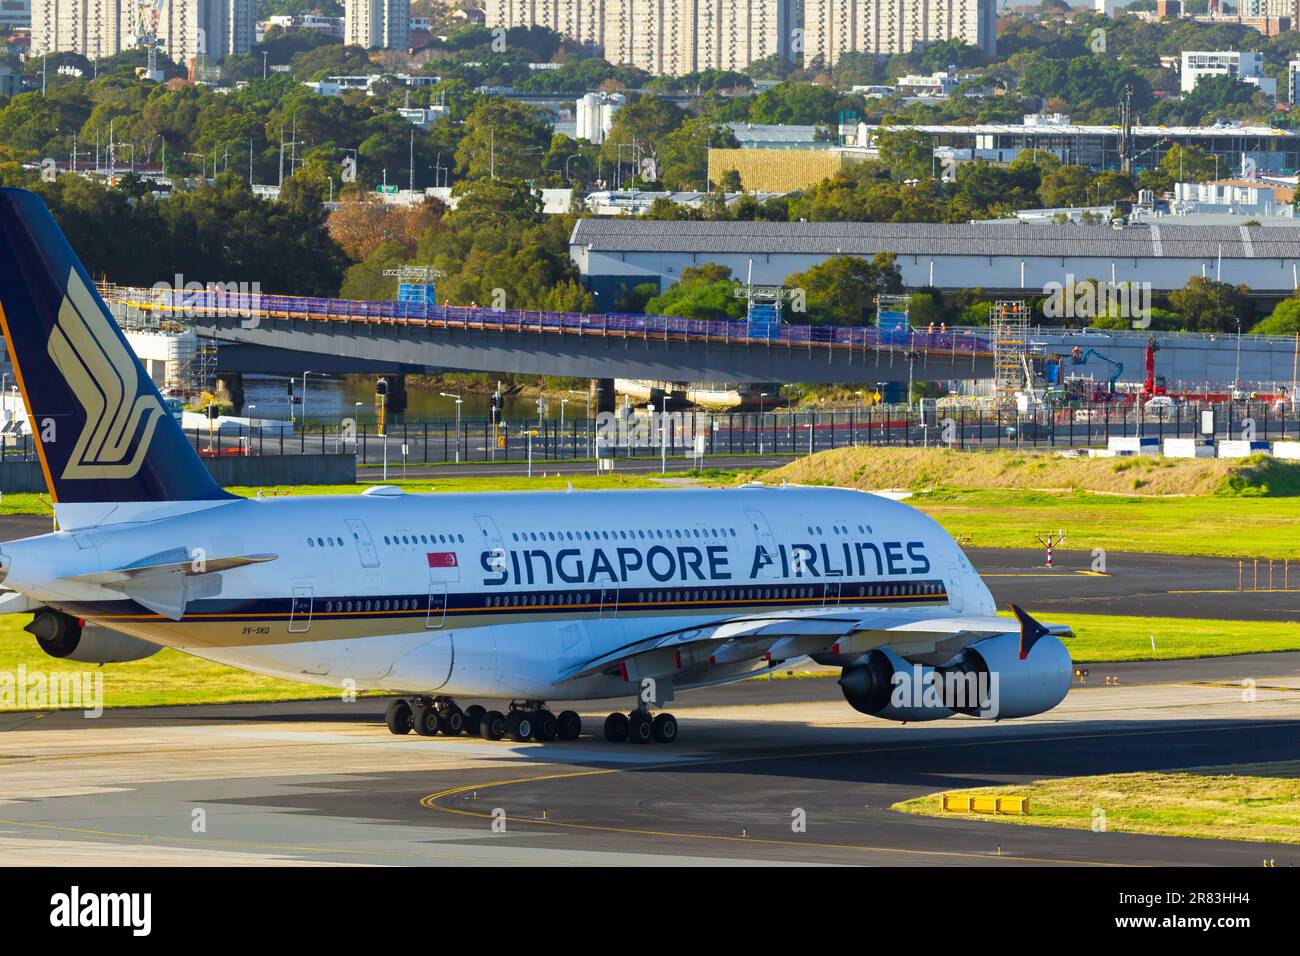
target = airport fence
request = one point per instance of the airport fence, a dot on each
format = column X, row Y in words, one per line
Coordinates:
column 703, row 435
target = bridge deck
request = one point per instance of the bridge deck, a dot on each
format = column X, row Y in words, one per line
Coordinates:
column 217, row 304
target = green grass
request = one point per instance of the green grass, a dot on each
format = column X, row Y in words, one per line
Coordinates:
column 1212, row 525
column 169, row 677
column 1100, row 637
column 1254, row 802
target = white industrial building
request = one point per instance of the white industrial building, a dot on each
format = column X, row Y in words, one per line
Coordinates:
column 1269, row 148
column 594, row 115
column 995, row 257
column 1247, row 200
column 1246, row 66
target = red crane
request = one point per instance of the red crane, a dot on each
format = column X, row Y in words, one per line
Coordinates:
column 1152, row 387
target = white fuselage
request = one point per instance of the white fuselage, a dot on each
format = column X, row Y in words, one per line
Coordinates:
column 501, row 595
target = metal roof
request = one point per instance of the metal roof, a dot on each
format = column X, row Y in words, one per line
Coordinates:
column 1072, row 129
column 1145, row 240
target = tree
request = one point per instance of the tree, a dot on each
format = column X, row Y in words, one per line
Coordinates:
column 1284, row 319
column 362, row 222
column 1188, row 164
column 701, row 299
column 503, row 140
column 1065, row 186
column 908, row 153
column 1210, row 306
column 684, row 153
column 640, row 130
column 843, row 289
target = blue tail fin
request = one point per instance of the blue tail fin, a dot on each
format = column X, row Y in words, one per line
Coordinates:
column 99, row 424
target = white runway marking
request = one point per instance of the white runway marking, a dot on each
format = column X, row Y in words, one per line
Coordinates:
column 536, row 753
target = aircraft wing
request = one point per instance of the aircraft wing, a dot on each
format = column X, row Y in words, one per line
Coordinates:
column 167, row 581
column 842, row 632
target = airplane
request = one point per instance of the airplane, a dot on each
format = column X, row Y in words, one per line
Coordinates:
column 530, row 598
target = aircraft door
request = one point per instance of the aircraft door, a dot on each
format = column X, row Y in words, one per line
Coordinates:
column 763, row 535
column 437, row 604
column 608, row 602
column 365, row 544
column 956, row 600
column 490, row 541
column 831, row 593
column 300, row 609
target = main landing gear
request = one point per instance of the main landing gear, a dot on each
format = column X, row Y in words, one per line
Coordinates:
column 639, row 727
column 525, row 720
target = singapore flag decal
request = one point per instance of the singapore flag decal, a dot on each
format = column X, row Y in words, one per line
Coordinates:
column 442, row 559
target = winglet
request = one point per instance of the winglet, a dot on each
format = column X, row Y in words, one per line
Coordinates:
column 1030, row 631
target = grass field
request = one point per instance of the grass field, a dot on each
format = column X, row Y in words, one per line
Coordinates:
column 1213, row 525
column 1258, row 802
column 924, row 469
column 169, row 677
column 1101, row 637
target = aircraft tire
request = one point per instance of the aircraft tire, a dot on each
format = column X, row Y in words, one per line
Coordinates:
column 519, row 725
column 474, row 715
column 570, row 725
column 398, row 717
column 493, row 725
column 665, row 728
column 451, row 721
column 640, row 728
column 425, row 719
column 616, row 728
column 545, row 726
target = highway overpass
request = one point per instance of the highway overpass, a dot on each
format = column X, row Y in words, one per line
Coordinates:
column 286, row 334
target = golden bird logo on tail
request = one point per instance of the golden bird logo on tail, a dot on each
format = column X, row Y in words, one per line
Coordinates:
column 104, row 376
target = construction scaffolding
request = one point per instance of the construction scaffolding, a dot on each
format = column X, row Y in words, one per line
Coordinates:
column 1009, row 331
column 415, row 284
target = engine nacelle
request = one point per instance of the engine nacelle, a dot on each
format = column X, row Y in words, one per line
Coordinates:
column 65, row 637
column 882, row 684
column 988, row 680
column 1022, row 688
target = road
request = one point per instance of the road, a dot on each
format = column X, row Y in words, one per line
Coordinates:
column 324, row 782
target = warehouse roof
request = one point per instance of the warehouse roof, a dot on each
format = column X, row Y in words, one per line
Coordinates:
column 1145, row 240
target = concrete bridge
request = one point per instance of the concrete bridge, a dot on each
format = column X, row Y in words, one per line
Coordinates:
column 286, row 334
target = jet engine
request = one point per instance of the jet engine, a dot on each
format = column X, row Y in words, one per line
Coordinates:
column 64, row 636
column 986, row 680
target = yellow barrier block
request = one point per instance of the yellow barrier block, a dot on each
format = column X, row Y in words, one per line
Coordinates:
column 982, row 803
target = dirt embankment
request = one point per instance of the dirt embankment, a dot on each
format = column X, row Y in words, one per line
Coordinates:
column 922, row 469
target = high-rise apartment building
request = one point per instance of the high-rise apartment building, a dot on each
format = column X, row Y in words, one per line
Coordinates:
column 93, row 28
column 186, row 28
column 377, row 24
column 684, row 36
column 835, row 27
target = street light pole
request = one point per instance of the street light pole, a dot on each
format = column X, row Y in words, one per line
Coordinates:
column 457, row 398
